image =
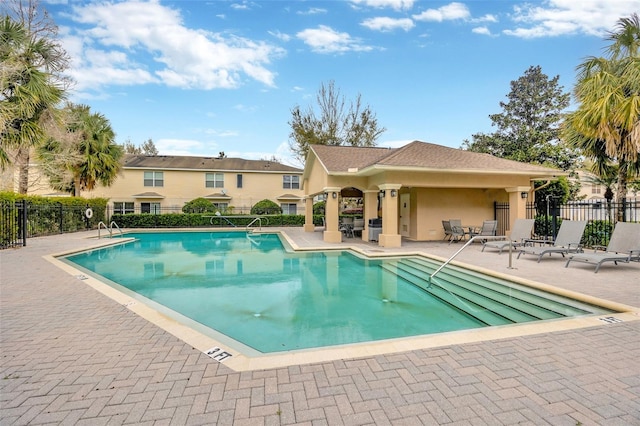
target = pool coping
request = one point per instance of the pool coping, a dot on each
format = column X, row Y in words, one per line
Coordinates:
column 221, row 351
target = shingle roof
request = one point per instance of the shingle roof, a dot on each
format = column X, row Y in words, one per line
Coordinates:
column 340, row 159
column 164, row 162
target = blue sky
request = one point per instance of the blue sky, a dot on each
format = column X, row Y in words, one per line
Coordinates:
column 203, row 76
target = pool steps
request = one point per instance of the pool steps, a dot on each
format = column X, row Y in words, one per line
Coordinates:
column 489, row 301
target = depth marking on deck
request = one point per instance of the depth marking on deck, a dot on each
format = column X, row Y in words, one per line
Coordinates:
column 218, row 354
column 610, row 320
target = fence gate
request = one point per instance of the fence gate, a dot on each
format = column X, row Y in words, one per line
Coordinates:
column 501, row 214
column 13, row 218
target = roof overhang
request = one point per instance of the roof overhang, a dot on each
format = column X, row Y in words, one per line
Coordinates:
column 289, row 197
column 378, row 168
column 148, row 195
column 217, row 196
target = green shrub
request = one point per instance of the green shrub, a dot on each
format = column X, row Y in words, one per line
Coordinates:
column 265, row 207
column 190, row 220
column 319, row 208
column 199, row 205
column 597, row 233
column 544, row 224
column 53, row 215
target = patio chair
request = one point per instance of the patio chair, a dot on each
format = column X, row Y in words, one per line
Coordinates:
column 521, row 231
column 447, row 230
column 358, row 226
column 489, row 227
column 457, row 231
column 623, row 246
column 567, row 241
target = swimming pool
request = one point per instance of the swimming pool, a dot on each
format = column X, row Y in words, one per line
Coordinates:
column 269, row 299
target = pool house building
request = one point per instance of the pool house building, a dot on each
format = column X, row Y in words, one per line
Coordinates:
column 413, row 188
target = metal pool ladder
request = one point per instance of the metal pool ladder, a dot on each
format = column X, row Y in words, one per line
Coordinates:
column 472, row 239
column 257, row 219
column 109, row 229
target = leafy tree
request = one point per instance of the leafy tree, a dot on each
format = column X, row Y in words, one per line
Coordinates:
column 147, row 148
column 31, row 81
column 605, row 125
column 333, row 124
column 91, row 157
column 528, row 129
column 266, row 207
column 199, row 205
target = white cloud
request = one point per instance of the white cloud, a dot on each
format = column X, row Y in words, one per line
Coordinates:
column 486, row 18
column 393, row 4
column 324, row 39
column 388, row 24
column 449, row 12
column 312, row 11
column 135, row 42
column 561, row 17
column 481, row 30
column 181, row 147
column 279, row 35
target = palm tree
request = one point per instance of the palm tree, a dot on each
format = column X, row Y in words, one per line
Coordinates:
column 607, row 122
column 88, row 157
column 28, row 93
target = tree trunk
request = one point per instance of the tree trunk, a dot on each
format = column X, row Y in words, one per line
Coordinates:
column 76, row 186
column 22, row 160
column 621, row 190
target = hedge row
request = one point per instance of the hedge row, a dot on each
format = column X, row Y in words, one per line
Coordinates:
column 46, row 216
column 596, row 233
column 188, row 220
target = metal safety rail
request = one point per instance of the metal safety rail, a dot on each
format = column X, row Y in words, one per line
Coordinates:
column 472, row 239
column 109, row 228
column 257, row 219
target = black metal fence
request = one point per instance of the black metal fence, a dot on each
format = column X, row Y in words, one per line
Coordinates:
column 13, row 217
column 600, row 215
column 501, row 214
column 20, row 220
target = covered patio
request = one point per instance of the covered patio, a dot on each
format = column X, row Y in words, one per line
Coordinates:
column 413, row 188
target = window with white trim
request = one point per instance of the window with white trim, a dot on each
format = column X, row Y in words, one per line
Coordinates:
column 289, row 208
column 221, row 207
column 153, row 208
column 291, row 182
column 153, row 178
column 121, row 207
column 214, row 180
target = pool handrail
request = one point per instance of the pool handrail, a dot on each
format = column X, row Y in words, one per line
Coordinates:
column 472, row 239
column 257, row 219
column 109, row 228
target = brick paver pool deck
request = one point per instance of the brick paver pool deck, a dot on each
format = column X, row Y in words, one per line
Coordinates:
column 71, row 355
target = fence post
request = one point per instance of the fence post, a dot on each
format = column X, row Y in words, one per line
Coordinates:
column 61, row 215
column 22, row 223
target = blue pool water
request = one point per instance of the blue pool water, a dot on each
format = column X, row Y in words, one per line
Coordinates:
column 249, row 288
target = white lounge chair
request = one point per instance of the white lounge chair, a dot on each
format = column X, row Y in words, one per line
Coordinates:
column 623, row 246
column 521, row 231
column 567, row 241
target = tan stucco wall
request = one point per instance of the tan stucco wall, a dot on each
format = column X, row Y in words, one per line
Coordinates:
column 430, row 206
column 183, row 186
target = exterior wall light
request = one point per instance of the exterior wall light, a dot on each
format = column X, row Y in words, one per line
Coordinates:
column 524, row 195
column 394, row 192
column 382, row 193
column 334, row 195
